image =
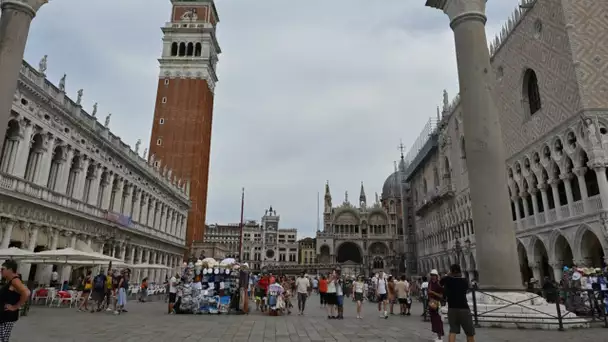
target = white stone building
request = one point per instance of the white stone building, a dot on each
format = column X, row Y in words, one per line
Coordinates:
column 362, row 239
column 67, row 181
column 554, row 119
column 223, row 236
column 266, row 246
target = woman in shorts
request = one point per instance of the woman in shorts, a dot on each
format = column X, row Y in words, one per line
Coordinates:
column 358, row 291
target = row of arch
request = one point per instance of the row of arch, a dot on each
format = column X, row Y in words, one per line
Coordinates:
column 539, row 256
column 87, row 180
column 186, row 49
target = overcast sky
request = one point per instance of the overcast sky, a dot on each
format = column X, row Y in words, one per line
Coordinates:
column 309, row 91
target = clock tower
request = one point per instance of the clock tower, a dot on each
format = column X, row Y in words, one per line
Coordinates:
column 181, row 132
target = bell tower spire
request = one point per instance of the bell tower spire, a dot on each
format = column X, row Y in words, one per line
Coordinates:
column 181, row 131
column 328, row 205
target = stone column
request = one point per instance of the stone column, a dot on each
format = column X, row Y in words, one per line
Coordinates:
column 157, row 221
column 136, row 204
column 558, row 213
column 45, row 274
column 7, row 232
column 48, row 141
column 515, row 201
column 558, row 271
column 534, row 200
column 173, row 223
column 94, row 190
column 600, row 173
column 24, row 269
column 64, row 171
column 543, row 194
column 23, row 149
column 15, row 23
column 568, row 186
column 163, row 218
column 127, row 201
column 143, row 213
column 146, row 271
column 535, row 272
column 81, row 178
column 485, row 156
column 107, row 193
column 582, row 185
column 152, row 213
column 118, row 196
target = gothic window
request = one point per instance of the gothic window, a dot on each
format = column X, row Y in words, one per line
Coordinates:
column 174, row 49
column 182, row 49
column 198, row 49
column 436, row 177
column 531, row 93
column 463, row 153
column 190, row 50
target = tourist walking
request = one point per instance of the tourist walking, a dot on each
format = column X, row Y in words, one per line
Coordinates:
column 173, row 292
column 424, row 296
column 358, row 294
column 435, row 297
column 402, row 289
column 323, row 290
column 391, row 294
column 143, row 291
column 123, row 285
column 302, row 285
column 340, row 298
column 99, row 290
column 12, row 296
column 330, row 297
column 381, row 291
column 86, row 292
column 455, row 288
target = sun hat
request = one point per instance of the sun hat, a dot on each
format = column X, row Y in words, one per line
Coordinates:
column 434, row 272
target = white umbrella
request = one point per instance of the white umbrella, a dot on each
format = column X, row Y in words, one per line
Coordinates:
column 13, row 252
column 68, row 255
column 227, row 262
column 154, row 266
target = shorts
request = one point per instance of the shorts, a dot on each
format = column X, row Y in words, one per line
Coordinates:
column 331, row 298
column 402, row 300
column 340, row 301
column 172, row 297
column 98, row 295
column 382, row 297
column 461, row 318
column 359, row 296
column 259, row 293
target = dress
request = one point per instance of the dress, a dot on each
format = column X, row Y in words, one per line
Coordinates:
column 436, row 322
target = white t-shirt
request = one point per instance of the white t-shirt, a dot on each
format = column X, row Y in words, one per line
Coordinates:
column 331, row 287
column 315, row 283
column 359, row 285
column 302, row 285
column 54, row 276
column 172, row 285
column 381, row 286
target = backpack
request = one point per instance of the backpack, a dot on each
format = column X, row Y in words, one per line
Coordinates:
column 99, row 283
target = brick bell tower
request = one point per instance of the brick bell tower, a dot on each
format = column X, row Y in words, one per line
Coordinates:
column 181, row 132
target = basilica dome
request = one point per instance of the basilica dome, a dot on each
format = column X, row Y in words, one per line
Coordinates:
column 391, row 186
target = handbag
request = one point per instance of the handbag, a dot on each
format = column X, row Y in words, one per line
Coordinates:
column 434, row 304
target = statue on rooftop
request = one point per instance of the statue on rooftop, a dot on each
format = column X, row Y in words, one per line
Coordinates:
column 446, row 101
column 42, row 65
column 79, row 99
column 137, row 144
column 62, row 83
column 145, row 153
column 94, row 109
column 107, row 123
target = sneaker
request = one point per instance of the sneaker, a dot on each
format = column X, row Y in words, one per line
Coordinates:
column 109, row 309
column 116, row 313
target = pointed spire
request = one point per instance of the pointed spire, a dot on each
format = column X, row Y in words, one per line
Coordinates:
column 327, row 192
column 362, row 197
column 402, row 164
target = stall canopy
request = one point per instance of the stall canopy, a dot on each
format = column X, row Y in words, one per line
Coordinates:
column 68, row 256
column 152, row 266
column 14, row 252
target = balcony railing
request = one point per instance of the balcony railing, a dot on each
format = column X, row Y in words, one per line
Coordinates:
column 577, row 209
column 18, row 185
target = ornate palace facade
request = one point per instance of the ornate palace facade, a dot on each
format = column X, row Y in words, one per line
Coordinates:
column 67, row 181
column 362, row 239
column 555, row 128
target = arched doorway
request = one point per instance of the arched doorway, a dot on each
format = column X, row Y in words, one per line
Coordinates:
column 524, row 268
column 324, row 254
column 349, row 251
column 563, row 252
column 591, row 250
column 542, row 259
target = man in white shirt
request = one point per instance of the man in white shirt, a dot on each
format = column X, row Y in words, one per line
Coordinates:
column 172, row 292
column 381, row 291
column 424, row 292
column 302, row 285
column 54, row 277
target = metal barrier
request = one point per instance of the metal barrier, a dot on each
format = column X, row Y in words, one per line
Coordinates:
column 579, row 303
column 585, row 304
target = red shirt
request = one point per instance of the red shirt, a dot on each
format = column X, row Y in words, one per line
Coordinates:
column 323, row 285
column 263, row 283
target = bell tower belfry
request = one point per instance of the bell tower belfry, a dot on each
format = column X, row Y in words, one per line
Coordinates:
column 181, row 131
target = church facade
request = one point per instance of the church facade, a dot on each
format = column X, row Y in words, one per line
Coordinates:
column 362, row 238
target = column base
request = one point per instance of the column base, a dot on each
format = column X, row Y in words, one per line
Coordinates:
column 496, row 310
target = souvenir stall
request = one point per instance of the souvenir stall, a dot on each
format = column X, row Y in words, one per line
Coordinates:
column 583, row 289
column 210, row 287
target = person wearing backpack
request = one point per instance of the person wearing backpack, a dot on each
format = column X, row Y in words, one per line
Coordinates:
column 99, row 289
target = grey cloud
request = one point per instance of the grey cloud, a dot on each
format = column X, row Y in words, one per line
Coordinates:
column 309, row 91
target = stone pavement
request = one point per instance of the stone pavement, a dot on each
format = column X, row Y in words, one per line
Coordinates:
column 149, row 322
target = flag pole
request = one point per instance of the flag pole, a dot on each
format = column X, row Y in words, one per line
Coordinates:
column 241, row 225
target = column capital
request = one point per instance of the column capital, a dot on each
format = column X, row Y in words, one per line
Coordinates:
column 460, row 10
column 28, row 6
column 554, row 182
column 579, row 171
column 565, row 176
column 597, row 166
